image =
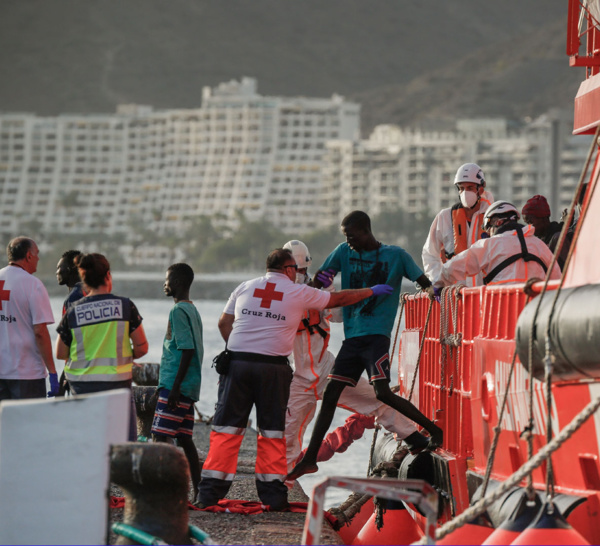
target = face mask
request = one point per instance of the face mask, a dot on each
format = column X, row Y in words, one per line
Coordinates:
column 301, row 278
column 469, row 199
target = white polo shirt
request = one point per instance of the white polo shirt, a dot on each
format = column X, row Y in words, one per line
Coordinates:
column 267, row 312
column 24, row 302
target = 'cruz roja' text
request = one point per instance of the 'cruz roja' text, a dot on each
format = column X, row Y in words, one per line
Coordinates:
column 266, row 314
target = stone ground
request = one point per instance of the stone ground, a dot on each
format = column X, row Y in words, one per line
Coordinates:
column 265, row 528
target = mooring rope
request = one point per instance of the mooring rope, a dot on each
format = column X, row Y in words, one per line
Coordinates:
column 480, row 506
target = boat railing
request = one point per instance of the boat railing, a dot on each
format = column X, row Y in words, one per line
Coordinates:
column 443, row 387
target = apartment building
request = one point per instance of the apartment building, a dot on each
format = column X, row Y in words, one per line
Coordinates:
column 414, row 169
column 297, row 162
column 143, row 170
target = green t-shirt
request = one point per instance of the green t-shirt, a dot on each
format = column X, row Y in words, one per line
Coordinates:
column 184, row 331
column 386, row 265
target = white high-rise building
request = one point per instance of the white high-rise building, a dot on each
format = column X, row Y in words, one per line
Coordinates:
column 140, row 169
column 414, row 170
column 296, row 162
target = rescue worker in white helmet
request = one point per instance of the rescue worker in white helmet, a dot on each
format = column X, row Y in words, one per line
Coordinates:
column 456, row 228
column 511, row 254
column 313, row 363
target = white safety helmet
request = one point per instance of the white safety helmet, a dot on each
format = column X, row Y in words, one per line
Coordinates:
column 300, row 253
column 470, row 172
column 500, row 208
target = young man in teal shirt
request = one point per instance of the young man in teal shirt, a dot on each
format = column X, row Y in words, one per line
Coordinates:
column 362, row 259
column 180, row 369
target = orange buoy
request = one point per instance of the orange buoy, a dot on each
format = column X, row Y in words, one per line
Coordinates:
column 468, row 534
column 398, row 528
column 524, row 513
column 349, row 531
column 549, row 527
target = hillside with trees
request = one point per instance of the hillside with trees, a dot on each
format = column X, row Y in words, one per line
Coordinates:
column 405, row 61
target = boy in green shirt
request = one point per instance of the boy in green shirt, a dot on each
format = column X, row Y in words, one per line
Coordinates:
column 180, row 369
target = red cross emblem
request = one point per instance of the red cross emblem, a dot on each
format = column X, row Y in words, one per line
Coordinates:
column 267, row 295
column 4, row 294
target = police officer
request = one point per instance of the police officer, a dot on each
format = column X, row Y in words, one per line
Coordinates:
column 100, row 334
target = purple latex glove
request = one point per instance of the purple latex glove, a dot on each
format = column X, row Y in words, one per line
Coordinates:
column 326, row 277
column 53, row 385
column 382, row 289
column 437, row 292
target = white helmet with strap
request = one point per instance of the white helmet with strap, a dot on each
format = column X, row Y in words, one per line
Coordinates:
column 500, row 208
column 300, row 253
column 470, row 172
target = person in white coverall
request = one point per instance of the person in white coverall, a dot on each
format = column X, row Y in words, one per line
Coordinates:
column 312, row 365
column 512, row 254
column 456, row 228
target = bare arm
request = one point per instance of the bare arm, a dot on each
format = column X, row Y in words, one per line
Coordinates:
column 44, row 345
column 60, row 349
column 226, row 325
column 140, row 343
column 424, row 282
column 349, row 297
column 184, row 365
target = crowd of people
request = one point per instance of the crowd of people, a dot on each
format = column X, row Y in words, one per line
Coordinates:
column 284, row 314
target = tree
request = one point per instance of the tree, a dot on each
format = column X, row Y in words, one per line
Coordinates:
column 406, row 229
column 245, row 250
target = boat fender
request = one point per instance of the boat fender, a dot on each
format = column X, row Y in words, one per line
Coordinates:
column 399, row 525
column 550, row 527
column 573, row 333
column 523, row 514
column 352, row 526
column 470, row 533
column 503, row 508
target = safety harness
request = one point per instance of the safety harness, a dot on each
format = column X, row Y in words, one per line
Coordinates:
column 312, row 323
column 523, row 255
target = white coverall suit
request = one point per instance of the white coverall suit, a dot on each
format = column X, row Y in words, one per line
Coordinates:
column 313, row 362
column 441, row 235
column 486, row 254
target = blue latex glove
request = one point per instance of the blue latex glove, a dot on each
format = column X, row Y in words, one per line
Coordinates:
column 382, row 289
column 53, row 385
column 437, row 292
column 326, row 277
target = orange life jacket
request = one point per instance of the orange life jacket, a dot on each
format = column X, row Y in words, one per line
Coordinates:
column 460, row 231
column 307, row 323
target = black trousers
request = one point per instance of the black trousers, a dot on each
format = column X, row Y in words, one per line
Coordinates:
column 248, row 384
